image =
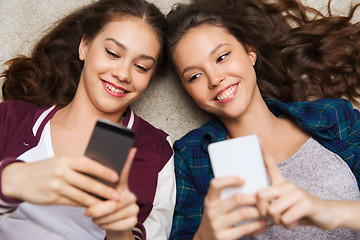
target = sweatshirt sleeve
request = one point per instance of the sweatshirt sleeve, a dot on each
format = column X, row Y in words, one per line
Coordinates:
column 158, row 223
column 138, row 232
column 7, row 205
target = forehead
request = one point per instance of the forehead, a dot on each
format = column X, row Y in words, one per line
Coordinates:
column 201, row 39
column 133, row 33
column 206, row 33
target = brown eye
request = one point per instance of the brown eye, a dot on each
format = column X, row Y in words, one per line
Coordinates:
column 222, row 57
column 195, row 76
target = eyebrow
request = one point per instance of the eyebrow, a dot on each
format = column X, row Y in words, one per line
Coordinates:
column 217, row 47
column 122, row 46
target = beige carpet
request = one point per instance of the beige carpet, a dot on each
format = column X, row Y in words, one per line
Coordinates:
column 164, row 104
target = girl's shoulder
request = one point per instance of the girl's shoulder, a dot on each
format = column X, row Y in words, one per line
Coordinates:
column 209, row 132
column 146, row 131
column 20, row 110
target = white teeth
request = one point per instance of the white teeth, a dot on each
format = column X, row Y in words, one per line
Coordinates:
column 113, row 89
column 226, row 93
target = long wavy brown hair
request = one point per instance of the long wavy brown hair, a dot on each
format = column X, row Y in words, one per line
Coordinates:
column 51, row 74
column 302, row 54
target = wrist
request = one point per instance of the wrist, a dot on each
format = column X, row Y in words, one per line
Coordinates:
column 10, row 177
column 338, row 214
column 343, row 213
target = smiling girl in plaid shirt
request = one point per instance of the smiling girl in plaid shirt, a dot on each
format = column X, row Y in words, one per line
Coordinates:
column 242, row 61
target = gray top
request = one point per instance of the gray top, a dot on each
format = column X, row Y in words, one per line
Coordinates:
column 323, row 174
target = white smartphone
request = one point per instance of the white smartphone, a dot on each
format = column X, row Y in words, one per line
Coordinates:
column 239, row 157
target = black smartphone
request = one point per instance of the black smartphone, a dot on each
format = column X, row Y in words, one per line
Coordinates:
column 110, row 144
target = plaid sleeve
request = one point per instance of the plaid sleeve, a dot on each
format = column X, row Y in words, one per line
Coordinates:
column 349, row 133
column 189, row 197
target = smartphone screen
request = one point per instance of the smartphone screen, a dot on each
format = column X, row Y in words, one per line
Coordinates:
column 239, row 157
column 110, row 144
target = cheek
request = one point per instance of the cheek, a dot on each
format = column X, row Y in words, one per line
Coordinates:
column 252, row 76
column 97, row 64
column 140, row 82
column 237, row 67
column 244, row 69
column 197, row 92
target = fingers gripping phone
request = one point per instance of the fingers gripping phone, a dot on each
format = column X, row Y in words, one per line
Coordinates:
column 239, row 157
column 110, row 144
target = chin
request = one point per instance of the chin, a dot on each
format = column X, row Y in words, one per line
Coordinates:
column 110, row 108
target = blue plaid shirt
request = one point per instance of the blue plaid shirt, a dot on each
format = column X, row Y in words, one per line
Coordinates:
column 332, row 122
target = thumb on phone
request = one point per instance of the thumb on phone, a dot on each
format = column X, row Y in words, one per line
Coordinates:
column 125, row 172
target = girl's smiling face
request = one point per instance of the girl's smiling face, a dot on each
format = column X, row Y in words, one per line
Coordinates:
column 216, row 70
column 118, row 64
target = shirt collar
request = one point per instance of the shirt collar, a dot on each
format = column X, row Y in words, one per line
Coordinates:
column 214, row 132
column 129, row 118
column 305, row 113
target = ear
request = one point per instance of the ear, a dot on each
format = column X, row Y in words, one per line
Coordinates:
column 252, row 54
column 83, row 48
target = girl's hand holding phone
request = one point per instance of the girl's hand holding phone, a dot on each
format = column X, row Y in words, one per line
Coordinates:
column 118, row 217
column 290, row 206
column 58, row 180
column 230, row 205
column 221, row 215
column 111, row 145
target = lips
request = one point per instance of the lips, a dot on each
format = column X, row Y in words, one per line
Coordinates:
column 227, row 94
column 114, row 90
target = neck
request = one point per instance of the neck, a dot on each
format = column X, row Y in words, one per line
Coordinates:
column 77, row 113
column 281, row 137
column 256, row 119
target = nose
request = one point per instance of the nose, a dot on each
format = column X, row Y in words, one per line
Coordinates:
column 215, row 76
column 122, row 71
